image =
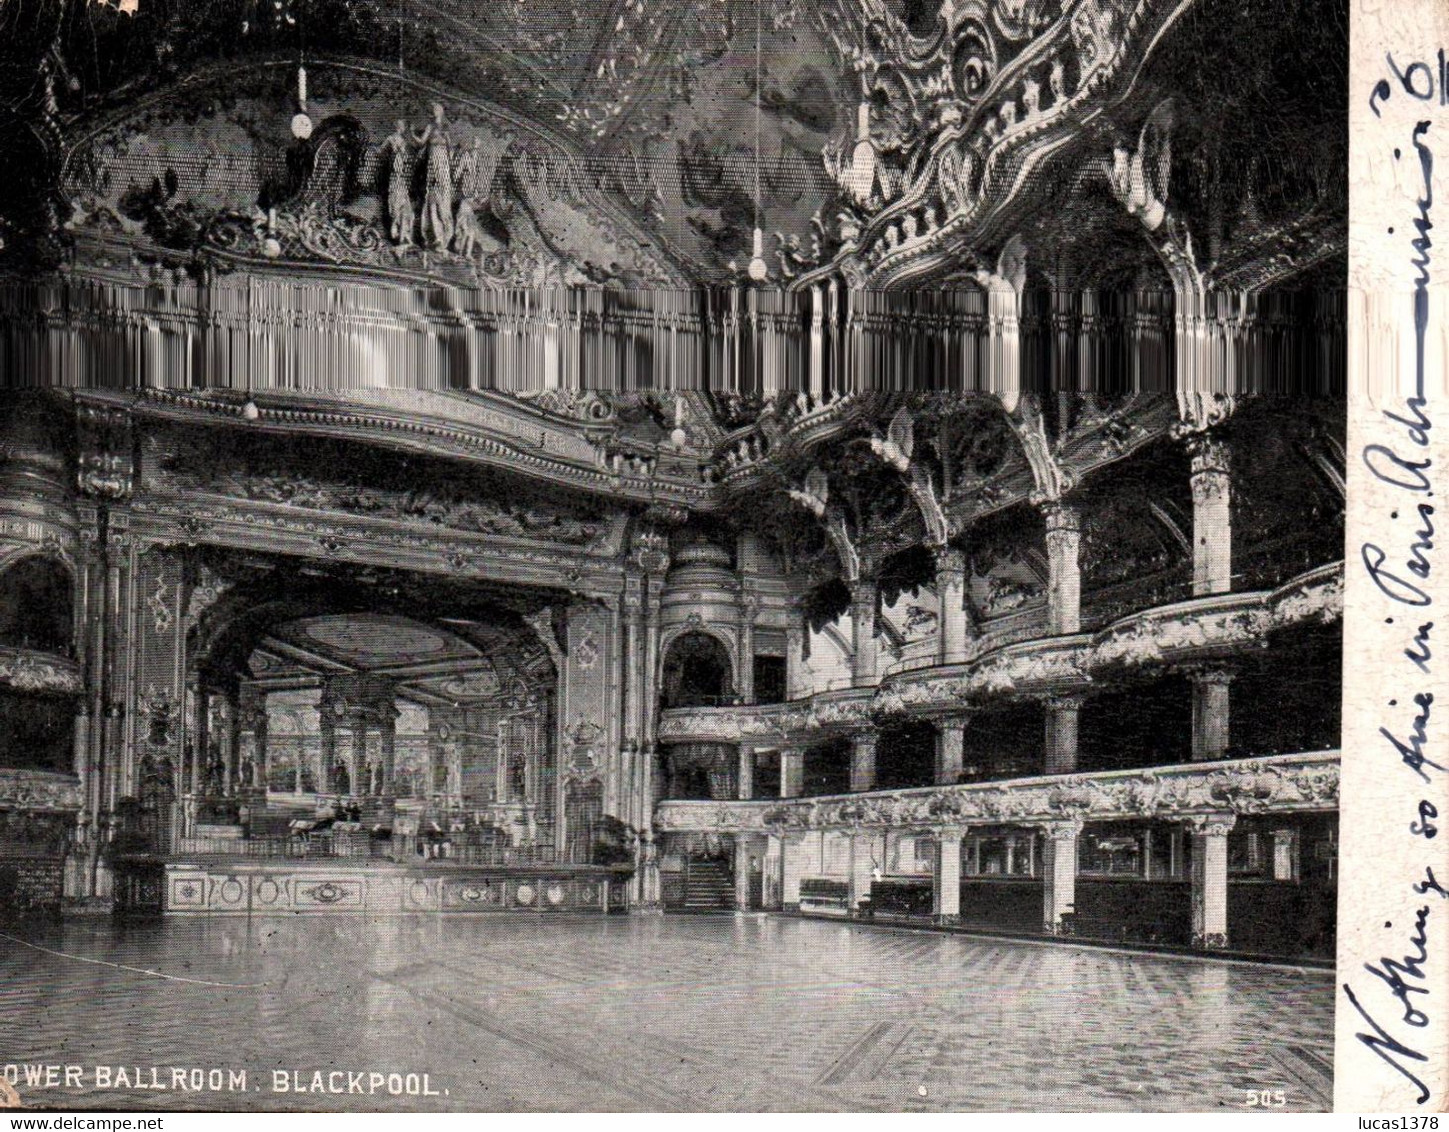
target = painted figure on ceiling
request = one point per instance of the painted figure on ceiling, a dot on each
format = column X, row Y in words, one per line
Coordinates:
column 438, row 193
column 399, row 201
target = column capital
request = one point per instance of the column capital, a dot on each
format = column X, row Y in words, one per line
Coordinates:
column 1211, row 457
column 1209, row 825
column 1219, row 675
column 1060, row 517
column 1062, row 701
column 949, row 561
column 946, row 833
column 1067, row 829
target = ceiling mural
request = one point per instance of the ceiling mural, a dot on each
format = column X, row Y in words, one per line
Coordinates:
column 643, row 144
column 364, row 642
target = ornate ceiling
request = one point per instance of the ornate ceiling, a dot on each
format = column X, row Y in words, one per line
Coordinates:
column 425, row 663
column 618, row 144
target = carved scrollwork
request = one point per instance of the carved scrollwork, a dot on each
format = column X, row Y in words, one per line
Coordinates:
column 25, row 670
column 1206, row 797
column 35, row 790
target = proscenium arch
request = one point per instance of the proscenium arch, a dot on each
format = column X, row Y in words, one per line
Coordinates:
column 226, row 634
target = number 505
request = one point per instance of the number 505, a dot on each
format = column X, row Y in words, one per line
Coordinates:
column 1265, row 1098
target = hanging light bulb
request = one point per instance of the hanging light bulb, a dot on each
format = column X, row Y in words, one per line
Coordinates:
column 862, row 162
column 759, row 270
column 250, row 411
column 301, row 123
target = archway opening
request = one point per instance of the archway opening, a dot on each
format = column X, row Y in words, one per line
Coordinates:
column 697, row 672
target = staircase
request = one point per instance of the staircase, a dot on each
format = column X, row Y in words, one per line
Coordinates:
column 708, row 887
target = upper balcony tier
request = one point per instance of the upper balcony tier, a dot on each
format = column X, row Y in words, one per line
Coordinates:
column 1202, row 630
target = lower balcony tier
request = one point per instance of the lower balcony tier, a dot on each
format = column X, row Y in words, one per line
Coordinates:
column 1274, row 784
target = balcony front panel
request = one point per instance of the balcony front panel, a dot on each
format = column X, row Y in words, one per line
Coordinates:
column 1278, row 784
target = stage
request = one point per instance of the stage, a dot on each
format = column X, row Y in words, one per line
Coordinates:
column 269, row 887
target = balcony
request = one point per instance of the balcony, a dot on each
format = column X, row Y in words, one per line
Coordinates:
column 1300, row 783
column 1216, row 627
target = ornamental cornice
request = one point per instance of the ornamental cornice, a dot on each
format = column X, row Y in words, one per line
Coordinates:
column 1192, row 632
column 39, row 790
column 523, row 449
column 219, row 520
column 26, row 670
column 1206, row 796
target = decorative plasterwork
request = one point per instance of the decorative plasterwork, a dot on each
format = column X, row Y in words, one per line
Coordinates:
column 39, row 790
column 192, row 519
column 501, row 434
column 1202, row 629
column 25, row 670
column 964, row 128
column 1276, row 784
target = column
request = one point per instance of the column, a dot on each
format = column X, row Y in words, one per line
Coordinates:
column 200, row 740
column 649, row 885
column 430, row 762
column 747, row 772
column 1210, row 714
column 1210, row 878
column 946, row 877
column 1059, row 873
column 792, row 773
column 770, row 872
column 861, row 864
column 866, row 664
column 328, row 756
column 950, row 750
column 388, row 743
column 260, row 738
column 745, row 684
column 633, row 656
column 1212, row 524
column 1285, row 854
column 1062, row 713
column 951, row 597
column 742, row 872
column 796, row 685
column 792, row 852
column 862, row 761
column 1064, row 574
column 360, row 782
column 252, row 722
column 231, row 753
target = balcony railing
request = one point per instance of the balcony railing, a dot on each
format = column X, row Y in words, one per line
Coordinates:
column 1214, row 627
column 1276, row 784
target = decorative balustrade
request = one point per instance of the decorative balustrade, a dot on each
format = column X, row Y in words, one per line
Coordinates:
column 37, row 790
column 1274, row 784
column 1206, row 628
column 30, row 670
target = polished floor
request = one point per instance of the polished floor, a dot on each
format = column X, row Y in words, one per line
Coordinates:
column 642, row 1013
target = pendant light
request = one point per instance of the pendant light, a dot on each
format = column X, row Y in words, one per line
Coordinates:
column 301, row 122
column 759, row 271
